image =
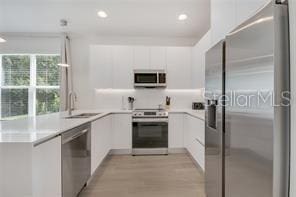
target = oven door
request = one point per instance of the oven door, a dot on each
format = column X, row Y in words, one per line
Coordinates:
column 145, row 79
column 150, row 134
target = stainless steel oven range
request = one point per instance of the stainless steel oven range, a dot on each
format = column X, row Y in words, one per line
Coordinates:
column 150, row 132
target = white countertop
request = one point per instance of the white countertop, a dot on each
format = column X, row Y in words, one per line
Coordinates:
column 38, row 129
column 200, row 114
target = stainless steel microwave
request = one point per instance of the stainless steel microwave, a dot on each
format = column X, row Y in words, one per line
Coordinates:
column 149, row 78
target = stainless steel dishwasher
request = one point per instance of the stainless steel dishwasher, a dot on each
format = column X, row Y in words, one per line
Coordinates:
column 76, row 152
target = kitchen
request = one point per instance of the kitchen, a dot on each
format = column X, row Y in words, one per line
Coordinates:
column 144, row 80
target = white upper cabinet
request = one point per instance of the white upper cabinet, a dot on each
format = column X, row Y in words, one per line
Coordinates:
column 101, row 66
column 141, row 57
column 227, row 14
column 158, row 58
column 149, row 57
column 179, row 67
column 222, row 18
column 123, row 67
column 246, row 8
column 112, row 66
column 199, row 62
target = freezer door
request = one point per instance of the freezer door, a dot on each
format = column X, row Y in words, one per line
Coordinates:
column 256, row 138
column 214, row 120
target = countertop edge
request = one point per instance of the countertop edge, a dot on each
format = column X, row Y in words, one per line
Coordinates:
column 197, row 114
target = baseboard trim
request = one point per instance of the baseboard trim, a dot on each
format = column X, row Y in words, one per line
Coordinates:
column 120, row 152
column 195, row 162
column 129, row 151
column 99, row 167
column 177, row 150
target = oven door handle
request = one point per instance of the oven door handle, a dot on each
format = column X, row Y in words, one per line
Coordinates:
column 150, row 120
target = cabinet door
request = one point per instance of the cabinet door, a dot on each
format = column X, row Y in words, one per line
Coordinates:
column 100, row 141
column 223, row 18
column 123, row 67
column 197, row 129
column 200, row 129
column 198, row 153
column 141, row 57
column 176, row 131
column 107, row 145
column 179, row 67
column 247, row 8
column 97, row 130
column 198, row 64
column 47, row 172
column 101, row 66
column 158, row 58
column 121, row 131
column 194, row 138
column 187, row 133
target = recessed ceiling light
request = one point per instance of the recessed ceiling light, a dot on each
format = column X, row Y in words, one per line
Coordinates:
column 2, row 40
column 102, row 14
column 182, row 17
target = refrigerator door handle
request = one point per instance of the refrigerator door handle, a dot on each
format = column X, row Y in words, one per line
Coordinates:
column 282, row 103
column 212, row 114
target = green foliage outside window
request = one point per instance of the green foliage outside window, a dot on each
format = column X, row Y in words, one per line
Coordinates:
column 48, row 101
column 16, row 70
column 14, row 102
column 47, row 70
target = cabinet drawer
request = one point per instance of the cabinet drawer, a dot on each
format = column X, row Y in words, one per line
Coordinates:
column 197, row 129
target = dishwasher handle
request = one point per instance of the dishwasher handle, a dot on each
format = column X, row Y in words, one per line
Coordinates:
column 69, row 139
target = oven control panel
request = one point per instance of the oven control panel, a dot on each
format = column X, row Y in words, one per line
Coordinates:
column 152, row 114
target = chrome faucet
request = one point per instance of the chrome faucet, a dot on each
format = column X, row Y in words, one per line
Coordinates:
column 72, row 97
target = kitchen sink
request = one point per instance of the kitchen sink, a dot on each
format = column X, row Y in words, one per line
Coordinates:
column 83, row 115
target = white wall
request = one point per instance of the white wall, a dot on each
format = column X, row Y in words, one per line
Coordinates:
column 145, row 98
column 293, row 89
column 43, row 44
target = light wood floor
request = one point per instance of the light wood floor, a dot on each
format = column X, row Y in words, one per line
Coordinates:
column 147, row 176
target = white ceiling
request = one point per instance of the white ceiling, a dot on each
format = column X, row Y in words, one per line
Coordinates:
column 140, row 18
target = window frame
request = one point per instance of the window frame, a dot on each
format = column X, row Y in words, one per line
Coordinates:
column 32, row 88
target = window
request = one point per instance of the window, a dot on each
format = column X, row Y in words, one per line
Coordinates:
column 29, row 85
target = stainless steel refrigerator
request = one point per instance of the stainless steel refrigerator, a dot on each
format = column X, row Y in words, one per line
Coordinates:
column 248, row 113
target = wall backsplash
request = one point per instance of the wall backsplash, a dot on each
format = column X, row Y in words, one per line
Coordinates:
column 145, row 98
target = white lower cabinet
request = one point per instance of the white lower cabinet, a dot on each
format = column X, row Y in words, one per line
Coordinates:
column 176, row 131
column 198, row 153
column 100, row 141
column 194, row 138
column 113, row 131
column 121, row 131
column 47, row 172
